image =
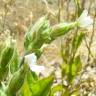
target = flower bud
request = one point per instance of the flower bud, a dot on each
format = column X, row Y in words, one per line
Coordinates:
column 37, row 35
column 61, row 29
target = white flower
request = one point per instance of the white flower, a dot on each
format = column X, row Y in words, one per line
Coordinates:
column 37, row 68
column 31, row 60
column 84, row 20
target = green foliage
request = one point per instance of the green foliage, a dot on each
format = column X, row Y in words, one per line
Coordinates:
column 31, row 77
column 16, row 81
column 25, row 90
column 36, row 87
column 1, row 47
column 78, row 7
column 41, row 32
column 72, row 64
column 25, row 82
column 56, row 88
column 29, row 81
column 77, row 40
column 42, row 87
column 37, row 35
column 14, row 63
column 73, row 69
column 5, row 57
column 3, row 73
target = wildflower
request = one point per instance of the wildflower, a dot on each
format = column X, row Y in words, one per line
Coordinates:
column 84, row 20
column 31, row 60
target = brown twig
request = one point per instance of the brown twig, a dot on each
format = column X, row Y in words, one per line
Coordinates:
column 67, row 9
column 59, row 11
column 90, row 6
column 93, row 32
column 83, row 4
column 6, row 7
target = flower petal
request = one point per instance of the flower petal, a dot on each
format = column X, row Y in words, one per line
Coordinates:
column 31, row 59
column 37, row 68
column 84, row 20
column 84, row 14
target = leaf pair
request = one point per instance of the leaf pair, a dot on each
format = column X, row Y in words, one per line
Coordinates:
column 37, row 87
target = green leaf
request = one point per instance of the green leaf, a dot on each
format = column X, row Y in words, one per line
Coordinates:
column 66, row 93
column 42, row 87
column 25, row 90
column 76, row 92
column 16, row 81
column 78, row 8
column 14, row 61
column 77, row 40
column 76, row 66
column 73, row 68
column 56, row 88
column 64, row 69
column 65, row 52
column 3, row 73
column 6, row 56
column 2, row 45
column 31, row 78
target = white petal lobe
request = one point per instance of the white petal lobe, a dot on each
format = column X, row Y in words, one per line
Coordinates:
column 84, row 20
column 31, row 60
